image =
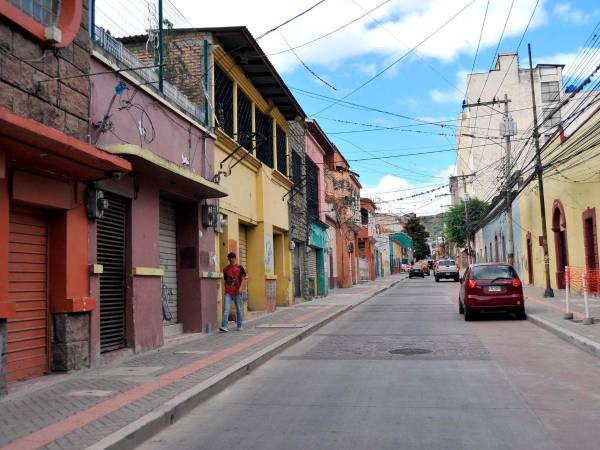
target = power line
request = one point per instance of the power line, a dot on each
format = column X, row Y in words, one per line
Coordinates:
column 289, row 20
column 389, row 66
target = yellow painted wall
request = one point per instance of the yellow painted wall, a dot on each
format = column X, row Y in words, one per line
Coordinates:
column 255, row 197
column 577, row 188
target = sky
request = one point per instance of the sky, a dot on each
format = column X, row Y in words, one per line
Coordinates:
column 362, row 39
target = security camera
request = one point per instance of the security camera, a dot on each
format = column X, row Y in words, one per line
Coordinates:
column 116, row 175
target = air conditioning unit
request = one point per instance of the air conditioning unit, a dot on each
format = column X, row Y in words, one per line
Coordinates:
column 209, row 215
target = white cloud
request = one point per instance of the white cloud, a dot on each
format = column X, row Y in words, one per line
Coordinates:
column 582, row 65
column 390, row 188
column 401, row 24
column 452, row 95
column 566, row 12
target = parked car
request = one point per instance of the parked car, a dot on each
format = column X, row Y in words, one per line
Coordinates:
column 491, row 287
column 446, row 268
column 416, row 271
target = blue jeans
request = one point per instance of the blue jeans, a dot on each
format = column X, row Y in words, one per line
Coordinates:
column 239, row 309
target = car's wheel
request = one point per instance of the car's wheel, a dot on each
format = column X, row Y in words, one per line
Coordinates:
column 521, row 314
column 437, row 279
column 461, row 308
column 456, row 279
column 469, row 314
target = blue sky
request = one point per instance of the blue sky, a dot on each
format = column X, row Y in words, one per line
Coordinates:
column 427, row 85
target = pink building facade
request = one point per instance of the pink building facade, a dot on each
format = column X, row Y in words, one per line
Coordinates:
column 153, row 249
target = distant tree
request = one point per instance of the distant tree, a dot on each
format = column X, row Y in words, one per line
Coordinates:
column 416, row 230
column 455, row 219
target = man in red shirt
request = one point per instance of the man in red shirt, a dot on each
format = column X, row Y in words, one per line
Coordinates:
column 235, row 281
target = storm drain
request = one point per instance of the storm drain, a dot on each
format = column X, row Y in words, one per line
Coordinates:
column 409, row 351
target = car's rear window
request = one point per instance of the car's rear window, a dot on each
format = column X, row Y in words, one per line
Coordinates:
column 416, row 266
column 492, row 272
column 447, row 262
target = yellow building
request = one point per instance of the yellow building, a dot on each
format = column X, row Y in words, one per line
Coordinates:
column 252, row 108
column 571, row 162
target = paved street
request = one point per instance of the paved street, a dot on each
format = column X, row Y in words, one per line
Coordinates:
column 496, row 383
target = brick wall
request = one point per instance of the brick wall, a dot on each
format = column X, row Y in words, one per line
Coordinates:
column 183, row 59
column 25, row 64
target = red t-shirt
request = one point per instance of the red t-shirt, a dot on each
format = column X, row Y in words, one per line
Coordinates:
column 233, row 274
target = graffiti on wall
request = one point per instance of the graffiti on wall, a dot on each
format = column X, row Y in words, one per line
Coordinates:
column 269, row 257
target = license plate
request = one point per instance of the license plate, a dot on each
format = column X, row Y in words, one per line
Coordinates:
column 495, row 288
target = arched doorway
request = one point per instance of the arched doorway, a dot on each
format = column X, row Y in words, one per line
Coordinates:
column 559, row 227
column 530, row 257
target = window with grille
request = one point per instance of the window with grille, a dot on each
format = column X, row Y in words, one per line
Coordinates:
column 264, row 138
column 312, row 189
column 281, row 151
column 552, row 121
column 224, row 100
column 296, row 168
column 43, row 11
column 244, row 118
column 550, row 91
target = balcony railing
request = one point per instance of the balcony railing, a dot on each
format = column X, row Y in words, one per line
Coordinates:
column 149, row 75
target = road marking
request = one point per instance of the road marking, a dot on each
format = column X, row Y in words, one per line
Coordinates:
column 78, row 420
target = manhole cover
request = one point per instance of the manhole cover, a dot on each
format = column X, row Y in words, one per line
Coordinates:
column 409, row 351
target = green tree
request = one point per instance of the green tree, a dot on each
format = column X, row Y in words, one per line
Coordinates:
column 455, row 219
column 416, row 230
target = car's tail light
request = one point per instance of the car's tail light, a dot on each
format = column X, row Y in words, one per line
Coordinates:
column 471, row 284
column 516, row 283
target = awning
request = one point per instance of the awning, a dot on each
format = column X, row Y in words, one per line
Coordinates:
column 168, row 175
column 32, row 145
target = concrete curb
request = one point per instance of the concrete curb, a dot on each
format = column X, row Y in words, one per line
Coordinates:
column 575, row 339
column 145, row 427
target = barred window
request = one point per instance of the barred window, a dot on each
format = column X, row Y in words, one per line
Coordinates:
column 312, row 189
column 281, row 151
column 264, row 138
column 296, row 168
column 364, row 216
column 550, row 91
column 224, row 100
column 552, row 121
column 244, row 113
column 44, row 12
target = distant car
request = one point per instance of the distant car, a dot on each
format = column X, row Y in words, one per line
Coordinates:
column 416, row 271
column 446, row 269
column 491, row 287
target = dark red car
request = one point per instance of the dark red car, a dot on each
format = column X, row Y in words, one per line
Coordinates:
column 491, row 287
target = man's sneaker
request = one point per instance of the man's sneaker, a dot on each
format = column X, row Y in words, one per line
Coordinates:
column 223, row 330
column 240, row 328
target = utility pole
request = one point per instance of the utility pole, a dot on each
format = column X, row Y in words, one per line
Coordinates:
column 539, row 169
column 508, row 129
column 161, row 51
column 466, row 201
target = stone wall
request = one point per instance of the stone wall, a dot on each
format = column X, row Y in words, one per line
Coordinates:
column 297, row 203
column 70, row 342
column 26, row 68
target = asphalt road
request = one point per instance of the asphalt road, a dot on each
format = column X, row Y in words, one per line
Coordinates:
column 404, row 371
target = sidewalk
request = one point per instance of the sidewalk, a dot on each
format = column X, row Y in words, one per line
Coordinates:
column 121, row 405
column 548, row 314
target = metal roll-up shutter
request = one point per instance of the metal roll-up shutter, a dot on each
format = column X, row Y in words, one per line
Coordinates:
column 168, row 255
column 111, row 244
column 312, row 263
column 28, row 333
column 243, row 247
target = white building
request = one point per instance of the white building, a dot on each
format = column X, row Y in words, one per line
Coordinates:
column 480, row 148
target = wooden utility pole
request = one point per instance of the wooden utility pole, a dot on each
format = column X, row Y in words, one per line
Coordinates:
column 548, row 292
